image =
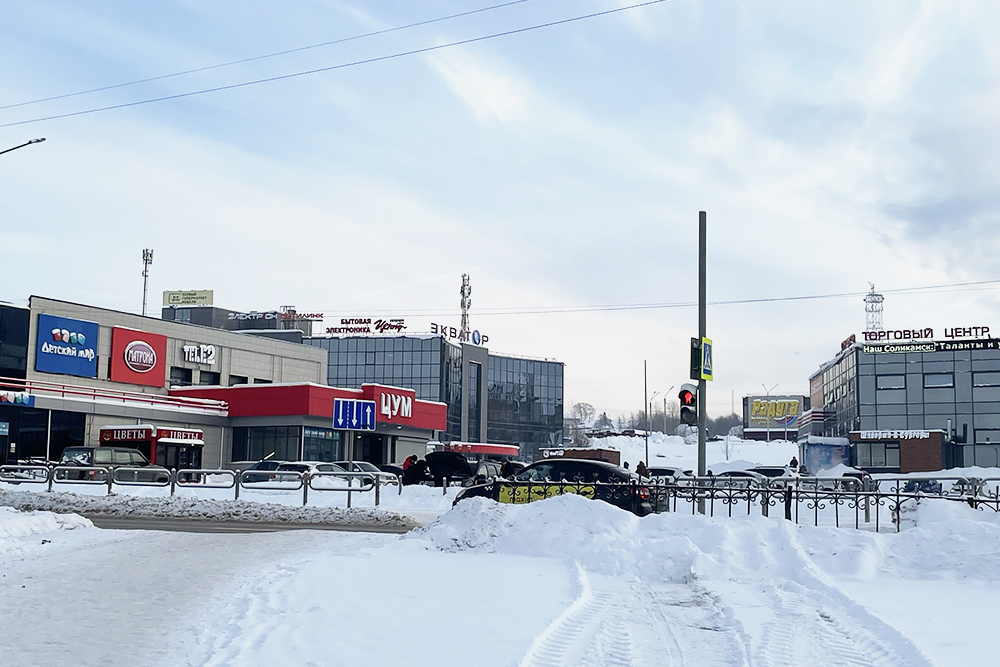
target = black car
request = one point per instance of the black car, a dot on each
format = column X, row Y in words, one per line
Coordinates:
column 592, row 479
column 110, row 457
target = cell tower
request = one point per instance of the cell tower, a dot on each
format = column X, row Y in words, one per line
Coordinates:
column 466, row 304
column 873, row 310
column 147, row 259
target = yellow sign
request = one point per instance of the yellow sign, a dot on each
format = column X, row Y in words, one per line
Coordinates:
column 518, row 493
column 202, row 297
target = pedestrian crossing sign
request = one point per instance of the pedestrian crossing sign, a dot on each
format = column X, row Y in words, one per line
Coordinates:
column 706, row 359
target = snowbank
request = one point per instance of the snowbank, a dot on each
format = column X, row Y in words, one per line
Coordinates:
column 195, row 508
column 21, row 523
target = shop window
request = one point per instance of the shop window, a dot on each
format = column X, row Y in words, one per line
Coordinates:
column 180, row 376
column 237, row 379
column 209, row 377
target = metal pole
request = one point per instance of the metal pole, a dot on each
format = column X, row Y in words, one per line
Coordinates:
column 645, row 406
column 702, row 332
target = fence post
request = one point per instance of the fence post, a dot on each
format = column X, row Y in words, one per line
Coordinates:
column 111, row 478
column 239, row 477
column 349, row 493
column 305, row 488
column 51, row 476
column 378, row 489
column 173, row 481
column 788, row 502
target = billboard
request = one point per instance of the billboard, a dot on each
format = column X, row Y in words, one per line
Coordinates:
column 66, row 346
column 138, row 357
column 197, row 297
column 776, row 412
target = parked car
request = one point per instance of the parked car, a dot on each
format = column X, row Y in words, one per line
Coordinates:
column 310, row 467
column 668, row 474
column 592, row 479
column 741, row 479
column 266, row 466
column 110, row 457
column 777, row 476
column 361, row 466
column 392, row 469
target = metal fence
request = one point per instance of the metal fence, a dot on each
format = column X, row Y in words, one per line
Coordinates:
column 833, row 501
column 53, row 476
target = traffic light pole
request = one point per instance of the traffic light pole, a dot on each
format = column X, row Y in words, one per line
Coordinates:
column 702, row 333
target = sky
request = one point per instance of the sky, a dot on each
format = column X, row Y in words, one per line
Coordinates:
column 832, row 145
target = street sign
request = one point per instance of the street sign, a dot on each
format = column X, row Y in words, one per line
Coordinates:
column 706, row 359
column 353, row 415
column 4, row 428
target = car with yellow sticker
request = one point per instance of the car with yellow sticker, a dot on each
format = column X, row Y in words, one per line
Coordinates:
column 597, row 480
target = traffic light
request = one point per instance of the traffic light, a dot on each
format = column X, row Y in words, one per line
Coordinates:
column 689, row 404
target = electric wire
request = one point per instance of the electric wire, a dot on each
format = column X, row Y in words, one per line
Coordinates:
column 354, row 63
column 264, row 56
column 546, row 310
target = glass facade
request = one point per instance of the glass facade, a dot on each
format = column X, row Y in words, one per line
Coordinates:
column 525, row 403
column 916, row 391
column 14, row 325
column 398, row 361
column 524, row 397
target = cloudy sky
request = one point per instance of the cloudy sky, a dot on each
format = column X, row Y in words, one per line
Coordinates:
column 833, row 144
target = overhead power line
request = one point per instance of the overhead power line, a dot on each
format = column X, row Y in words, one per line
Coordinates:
column 354, row 63
column 266, row 55
column 547, row 310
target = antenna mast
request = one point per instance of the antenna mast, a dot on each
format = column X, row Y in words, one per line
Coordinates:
column 147, row 259
column 466, row 304
column 873, row 310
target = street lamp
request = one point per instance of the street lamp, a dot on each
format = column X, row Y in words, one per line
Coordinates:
column 767, row 412
column 665, row 410
column 27, row 143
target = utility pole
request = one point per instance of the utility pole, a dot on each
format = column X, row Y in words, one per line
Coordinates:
column 645, row 407
column 702, row 333
column 147, row 259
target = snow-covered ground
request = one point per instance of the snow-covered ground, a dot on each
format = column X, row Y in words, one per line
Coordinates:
column 565, row 581
column 671, row 451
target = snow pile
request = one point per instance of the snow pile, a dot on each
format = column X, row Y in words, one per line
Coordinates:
column 670, row 450
column 195, row 508
column 21, row 523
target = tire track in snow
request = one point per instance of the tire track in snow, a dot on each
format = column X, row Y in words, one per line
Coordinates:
column 809, row 629
column 619, row 623
column 562, row 643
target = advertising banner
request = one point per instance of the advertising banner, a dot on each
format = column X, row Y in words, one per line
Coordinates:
column 777, row 412
column 66, row 346
column 138, row 357
column 195, row 297
column 19, row 398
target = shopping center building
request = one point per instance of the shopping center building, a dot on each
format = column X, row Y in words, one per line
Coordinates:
column 70, row 369
column 490, row 397
column 904, row 401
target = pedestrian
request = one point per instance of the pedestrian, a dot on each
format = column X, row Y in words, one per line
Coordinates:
column 794, row 463
column 409, row 461
column 416, row 473
column 641, row 469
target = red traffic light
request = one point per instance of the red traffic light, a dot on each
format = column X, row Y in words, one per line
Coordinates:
column 687, row 397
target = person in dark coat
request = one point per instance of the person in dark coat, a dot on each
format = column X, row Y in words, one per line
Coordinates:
column 416, row 473
column 794, row 463
column 641, row 470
